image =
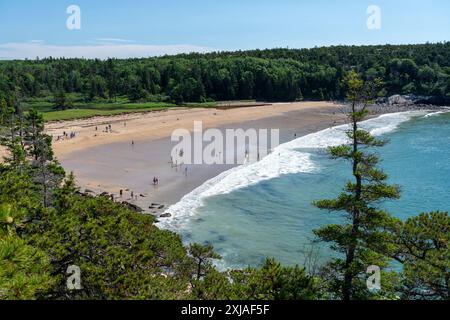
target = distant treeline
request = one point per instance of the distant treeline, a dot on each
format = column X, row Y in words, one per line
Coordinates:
column 269, row 75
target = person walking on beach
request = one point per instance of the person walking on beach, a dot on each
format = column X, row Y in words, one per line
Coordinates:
column 121, row 193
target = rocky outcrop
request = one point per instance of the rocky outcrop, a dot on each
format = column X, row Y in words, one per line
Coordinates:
column 411, row 99
column 398, row 99
column 401, row 103
column 132, row 207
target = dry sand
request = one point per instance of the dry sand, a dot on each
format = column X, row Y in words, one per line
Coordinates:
column 160, row 124
column 104, row 161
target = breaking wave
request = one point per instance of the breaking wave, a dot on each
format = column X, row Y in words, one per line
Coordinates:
column 289, row 158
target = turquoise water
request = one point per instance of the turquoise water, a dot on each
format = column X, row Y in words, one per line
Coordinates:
column 274, row 216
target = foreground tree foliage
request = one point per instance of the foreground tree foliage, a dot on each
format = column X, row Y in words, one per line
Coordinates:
column 269, row 282
column 275, row 282
column 24, row 270
column 122, row 255
column 422, row 246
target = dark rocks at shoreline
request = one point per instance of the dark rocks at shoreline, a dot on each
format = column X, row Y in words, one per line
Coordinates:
column 403, row 103
column 386, row 108
column 414, row 100
column 156, row 206
column 133, row 207
column 85, row 194
column 411, row 102
column 165, row 215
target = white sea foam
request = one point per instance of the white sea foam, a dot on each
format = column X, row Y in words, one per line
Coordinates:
column 288, row 158
column 433, row 114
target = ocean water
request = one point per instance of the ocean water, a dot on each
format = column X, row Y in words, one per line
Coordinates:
column 264, row 209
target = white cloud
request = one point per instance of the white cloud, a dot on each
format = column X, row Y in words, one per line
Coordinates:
column 109, row 49
column 112, row 40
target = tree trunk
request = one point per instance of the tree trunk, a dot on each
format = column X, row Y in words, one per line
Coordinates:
column 348, row 274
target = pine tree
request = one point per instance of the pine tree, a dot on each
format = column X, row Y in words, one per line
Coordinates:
column 24, row 270
column 46, row 171
column 61, row 101
column 202, row 256
column 358, row 202
column 12, row 133
column 422, row 245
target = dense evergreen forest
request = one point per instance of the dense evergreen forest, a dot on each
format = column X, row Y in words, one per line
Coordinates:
column 269, row 75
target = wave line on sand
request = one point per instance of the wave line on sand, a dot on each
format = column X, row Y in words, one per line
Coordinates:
column 288, row 158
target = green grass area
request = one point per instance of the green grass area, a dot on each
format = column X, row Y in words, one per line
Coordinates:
column 212, row 104
column 72, row 114
column 122, row 105
column 92, row 109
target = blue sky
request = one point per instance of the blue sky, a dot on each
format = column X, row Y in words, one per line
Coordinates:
column 138, row 27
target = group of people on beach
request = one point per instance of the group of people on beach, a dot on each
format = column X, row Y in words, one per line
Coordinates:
column 176, row 165
column 132, row 195
column 247, row 156
column 66, row 135
column 108, row 128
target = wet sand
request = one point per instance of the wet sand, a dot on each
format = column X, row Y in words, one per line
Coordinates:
column 110, row 167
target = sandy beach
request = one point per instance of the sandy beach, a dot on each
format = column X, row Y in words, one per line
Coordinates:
column 107, row 161
column 160, row 124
